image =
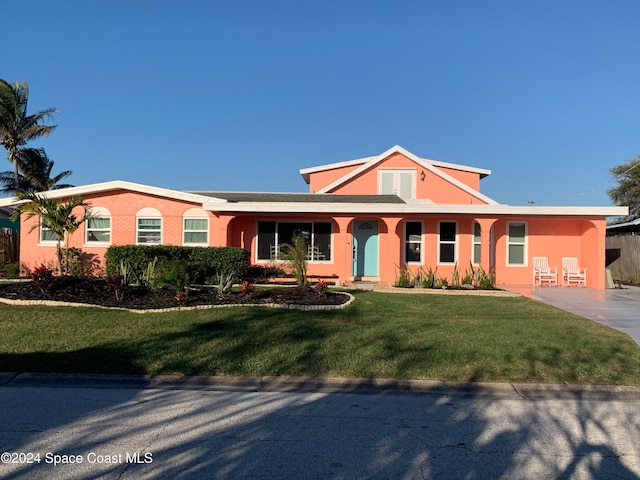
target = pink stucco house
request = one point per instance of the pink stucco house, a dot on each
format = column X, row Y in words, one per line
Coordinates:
column 362, row 218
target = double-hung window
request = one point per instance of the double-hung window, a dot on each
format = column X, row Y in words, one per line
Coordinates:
column 447, row 242
column 517, row 244
column 275, row 237
column 477, row 244
column 46, row 234
column 148, row 227
column 195, row 227
column 413, row 242
column 98, row 228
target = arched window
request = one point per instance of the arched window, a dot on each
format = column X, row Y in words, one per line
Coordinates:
column 148, row 226
column 98, row 229
column 195, row 227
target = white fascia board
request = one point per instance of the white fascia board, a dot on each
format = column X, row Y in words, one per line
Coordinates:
column 412, row 208
column 483, row 172
column 305, row 172
column 96, row 188
column 365, row 166
column 420, row 161
column 454, row 181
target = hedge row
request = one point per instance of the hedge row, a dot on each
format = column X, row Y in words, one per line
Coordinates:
column 203, row 263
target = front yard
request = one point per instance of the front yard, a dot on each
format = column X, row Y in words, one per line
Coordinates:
column 379, row 335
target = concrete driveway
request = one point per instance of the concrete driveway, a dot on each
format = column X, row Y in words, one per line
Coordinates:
column 616, row 308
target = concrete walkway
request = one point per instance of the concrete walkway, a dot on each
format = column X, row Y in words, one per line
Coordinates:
column 616, row 308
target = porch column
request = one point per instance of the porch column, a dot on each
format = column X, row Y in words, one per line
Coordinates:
column 390, row 250
column 220, row 233
column 343, row 249
column 485, row 241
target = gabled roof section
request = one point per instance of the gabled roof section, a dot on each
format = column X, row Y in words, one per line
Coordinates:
column 306, row 172
column 430, row 165
column 118, row 185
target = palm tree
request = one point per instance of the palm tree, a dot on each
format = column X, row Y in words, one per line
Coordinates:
column 54, row 215
column 34, row 173
column 16, row 127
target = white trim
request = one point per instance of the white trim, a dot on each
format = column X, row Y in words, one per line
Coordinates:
column 195, row 214
column 456, row 243
column 101, row 213
column 474, row 243
column 118, row 185
column 277, row 240
column 525, row 253
column 46, row 243
column 405, row 242
column 396, row 181
column 148, row 213
column 422, row 162
column 425, row 206
column 305, row 172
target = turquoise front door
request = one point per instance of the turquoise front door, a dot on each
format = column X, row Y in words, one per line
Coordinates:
column 365, row 248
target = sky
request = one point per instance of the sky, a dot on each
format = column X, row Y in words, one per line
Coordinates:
column 240, row 95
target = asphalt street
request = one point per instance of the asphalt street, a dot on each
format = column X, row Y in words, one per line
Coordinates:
column 114, row 430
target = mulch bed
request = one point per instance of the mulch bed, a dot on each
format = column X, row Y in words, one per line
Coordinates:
column 95, row 292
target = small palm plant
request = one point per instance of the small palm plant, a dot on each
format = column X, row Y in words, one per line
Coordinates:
column 296, row 256
column 54, row 215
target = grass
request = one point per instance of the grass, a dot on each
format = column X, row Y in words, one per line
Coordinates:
column 380, row 335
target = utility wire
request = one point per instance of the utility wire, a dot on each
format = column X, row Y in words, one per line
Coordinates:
column 614, row 178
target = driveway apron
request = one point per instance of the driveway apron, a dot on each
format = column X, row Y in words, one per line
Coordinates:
column 616, row 308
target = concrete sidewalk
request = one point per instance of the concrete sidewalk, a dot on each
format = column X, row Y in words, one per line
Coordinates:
column 616, row 308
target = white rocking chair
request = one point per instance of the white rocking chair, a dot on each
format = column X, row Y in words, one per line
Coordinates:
column 571, row 272
column 542, row 273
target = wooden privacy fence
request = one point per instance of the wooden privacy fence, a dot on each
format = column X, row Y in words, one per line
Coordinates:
column 8, row 246
column 623, row 257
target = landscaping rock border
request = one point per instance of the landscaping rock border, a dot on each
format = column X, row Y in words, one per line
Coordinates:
column 51, row 303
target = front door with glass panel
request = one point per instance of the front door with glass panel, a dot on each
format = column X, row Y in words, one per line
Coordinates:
column 365, row 248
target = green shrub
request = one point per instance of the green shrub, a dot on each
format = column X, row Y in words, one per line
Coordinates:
column 404, row 278
column 12, row 270
column 263, row 273
column 203, row 264
column 77, row 263
column 174, row 272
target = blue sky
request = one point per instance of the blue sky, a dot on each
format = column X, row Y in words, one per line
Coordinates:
column 240, row 95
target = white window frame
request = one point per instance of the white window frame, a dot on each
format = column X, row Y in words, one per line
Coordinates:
column 407, row 242
column 525, row 244
column 42, row 242
column 277, row 240
column 396, row 180
column 475, row 243
column 148, row 213
column 101, row 213
column 195, row 214
column 448, row 242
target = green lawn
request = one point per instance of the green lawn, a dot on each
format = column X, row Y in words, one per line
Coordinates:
column 380, row 335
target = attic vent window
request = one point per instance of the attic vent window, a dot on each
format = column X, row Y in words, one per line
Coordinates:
column 400, row 182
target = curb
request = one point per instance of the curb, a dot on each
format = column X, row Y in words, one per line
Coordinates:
column 522, row 391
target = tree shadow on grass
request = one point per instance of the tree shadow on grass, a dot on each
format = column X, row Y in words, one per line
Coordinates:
column 304, row 434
